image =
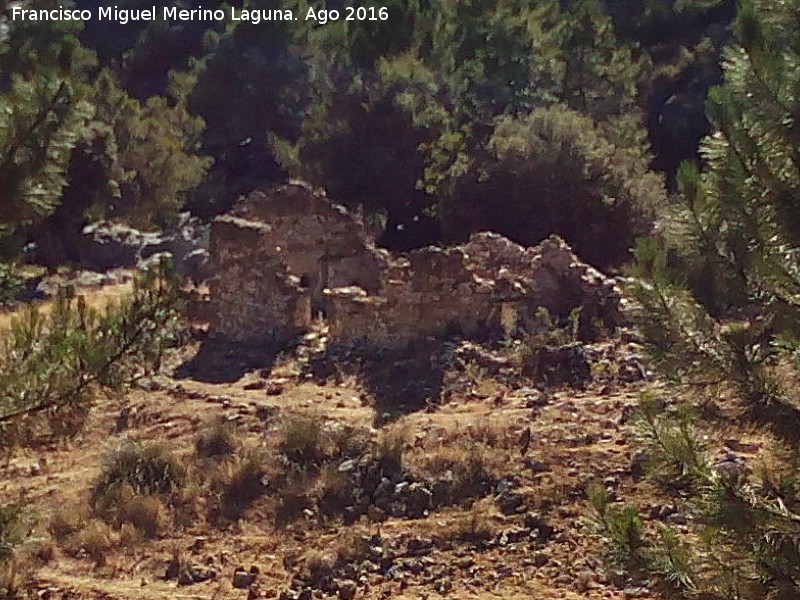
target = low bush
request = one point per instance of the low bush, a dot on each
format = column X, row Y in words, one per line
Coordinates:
column 145, row 468
column 675, row 447
column 66, row 522
column 11, row 283
column 464, row 471
column 217, row 440
column 239, row 483
column 133, row 486
column 554, row 170
column 94, row 541
column 621, row 527
column 304, row 439
column 144, row 513
column 333, row 490
column 53, row 363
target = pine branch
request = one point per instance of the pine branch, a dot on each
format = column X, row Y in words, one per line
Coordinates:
column 132, row 331
column 83, row 383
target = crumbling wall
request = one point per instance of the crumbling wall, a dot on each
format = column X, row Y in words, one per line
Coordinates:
column 254, row 298
column 321, row 243
column 288, row 247
column 547, row 275
column 431, row 293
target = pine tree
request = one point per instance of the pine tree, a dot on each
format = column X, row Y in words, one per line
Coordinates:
column 731, row 322
column 736, row 230
column 41, row 121
column 44, row 107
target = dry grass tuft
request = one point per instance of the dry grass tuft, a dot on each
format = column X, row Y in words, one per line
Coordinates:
column 240, row 482
column 217, row 440
column 476, row 526
column 94, row 541
column 67, row 522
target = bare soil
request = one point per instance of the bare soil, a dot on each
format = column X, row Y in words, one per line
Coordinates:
column 577, row 438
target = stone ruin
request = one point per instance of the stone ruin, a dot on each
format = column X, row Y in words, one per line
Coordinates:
column 287, row 255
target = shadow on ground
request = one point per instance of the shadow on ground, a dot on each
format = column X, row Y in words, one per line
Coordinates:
column 399, row 381
column 220, row 361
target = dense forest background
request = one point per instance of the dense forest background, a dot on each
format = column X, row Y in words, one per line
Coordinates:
column 448, row 117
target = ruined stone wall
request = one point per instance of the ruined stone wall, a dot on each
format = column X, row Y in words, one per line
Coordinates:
column 431, row 293
column 288, row 247
column 254, row 298
column 548, row 275
column 320, row 241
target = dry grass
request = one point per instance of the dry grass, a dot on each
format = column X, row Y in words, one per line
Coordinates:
column 476, row 526
column 332, row 490
column 304, row 439
column 351, row 546
column 470, row 469
column 95, row 298
column 144, row 468
column 186, row 504
column 318, row 565
column 392, row 445
column 9, row 579
column 144, row 513
column 217, row 439
column 94, row 541
column 239, row 482
column 67, row 522
column 459, row 438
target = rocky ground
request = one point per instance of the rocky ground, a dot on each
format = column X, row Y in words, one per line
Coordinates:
column 481, row 494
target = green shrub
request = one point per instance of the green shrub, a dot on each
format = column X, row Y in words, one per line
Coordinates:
column 555, row 171
column 622, row 528
column 673, row 559
column 141, row 469
column 674, row 446
column 11, row 283
column 52, row 363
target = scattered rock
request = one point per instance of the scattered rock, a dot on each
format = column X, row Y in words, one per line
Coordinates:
column 540, row 559
column 638, row 464
column 274, row 388
column 255, row 385
column 347, row 589
column 198, row 544
column 305, row 594
column 196, row 574
column 244, row 579
column 510, row 502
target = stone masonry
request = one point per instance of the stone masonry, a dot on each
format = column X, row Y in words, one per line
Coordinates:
column 254, row 298
column 319, row 241
column 287, row 254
